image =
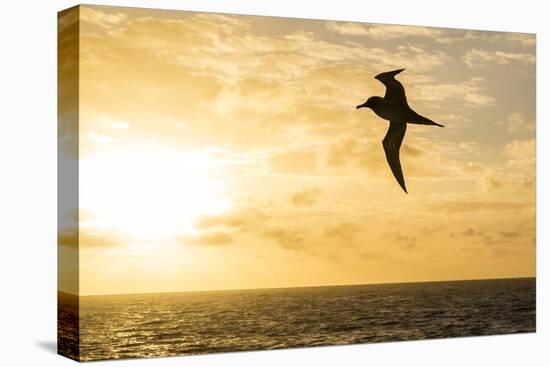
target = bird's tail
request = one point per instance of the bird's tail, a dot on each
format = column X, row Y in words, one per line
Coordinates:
column 421, row 120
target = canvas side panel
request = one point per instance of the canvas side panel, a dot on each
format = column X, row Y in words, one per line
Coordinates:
column 68, row 43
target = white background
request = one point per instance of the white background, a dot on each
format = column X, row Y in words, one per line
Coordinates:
column 28, row 183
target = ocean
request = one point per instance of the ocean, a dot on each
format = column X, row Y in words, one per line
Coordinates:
column 167, row 324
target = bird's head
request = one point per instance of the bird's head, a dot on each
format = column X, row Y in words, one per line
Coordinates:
column 371, row 103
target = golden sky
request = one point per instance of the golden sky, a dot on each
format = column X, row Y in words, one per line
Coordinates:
column 224, row 151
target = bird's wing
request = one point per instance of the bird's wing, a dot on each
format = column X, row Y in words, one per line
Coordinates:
column 394, row 89
column 392, row 142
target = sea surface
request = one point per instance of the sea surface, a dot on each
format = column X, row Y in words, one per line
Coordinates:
column 147, row 325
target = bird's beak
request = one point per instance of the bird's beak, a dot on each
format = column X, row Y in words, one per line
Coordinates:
column 362, row 105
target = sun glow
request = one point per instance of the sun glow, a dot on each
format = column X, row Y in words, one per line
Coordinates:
column 149, row 194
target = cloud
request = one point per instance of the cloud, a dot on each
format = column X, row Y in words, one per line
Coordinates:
column 108, row 122
column 470, row 92
column 506, row 234
column 499, row 252
column 344, row 231
column 521, row 154
column 68, row 237
column 520, row 185
column 381, row 32
column 349, row 151
column 286, row 238
column 526, row 39
column 406, row 242
column 516, row 122
column 470, row 233
column 242, row 219
column 209, row 238
column 511, row 241
column 372, row 255
column 90, row 238
column 477, row 58
column 270, row 84
column 521, row 149
column 249, row 55
column 420, row 158
column 491, row 235
column 249, row 221
column 253, row 222
column 477, row 37
column 307, row 197
column 68, row 91
column 298, row 162
column 100, row 18
column 454, row 207
column 289, row 228
column 491, row 239
column 408, row 57
column 87, row 238
column 493, row 181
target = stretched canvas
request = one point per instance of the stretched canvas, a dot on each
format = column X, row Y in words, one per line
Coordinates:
column 235, row 182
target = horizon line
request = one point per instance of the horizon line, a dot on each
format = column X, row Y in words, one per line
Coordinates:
column 291, row 287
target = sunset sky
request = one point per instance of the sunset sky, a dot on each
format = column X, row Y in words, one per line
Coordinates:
column 225, row 151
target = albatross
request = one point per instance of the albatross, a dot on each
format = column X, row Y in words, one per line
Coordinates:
column 394, row 108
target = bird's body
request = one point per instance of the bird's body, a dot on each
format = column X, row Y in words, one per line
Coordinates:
column 395, row 111
column 395, row 108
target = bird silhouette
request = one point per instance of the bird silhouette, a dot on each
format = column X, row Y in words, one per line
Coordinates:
column 394, row 108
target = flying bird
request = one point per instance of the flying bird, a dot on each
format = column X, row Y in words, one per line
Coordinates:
column 394, row 108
